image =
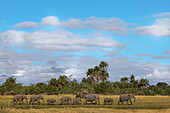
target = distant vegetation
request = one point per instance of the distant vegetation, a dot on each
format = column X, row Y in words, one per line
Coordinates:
column 96, row 81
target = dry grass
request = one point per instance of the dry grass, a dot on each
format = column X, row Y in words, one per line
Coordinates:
column 143, row 104
column 82, row 110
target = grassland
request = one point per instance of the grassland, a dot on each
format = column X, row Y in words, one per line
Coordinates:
column 143, row 104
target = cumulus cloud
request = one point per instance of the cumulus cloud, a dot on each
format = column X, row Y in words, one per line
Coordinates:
column 103, row 24
column 159, row 57
column 161, row 27
column 73, row 23
column 26, row 24
column 157, row 75
column 167, row 52
column 60, row 40
column 13, row 36
column 106, row 24
column 142, row 54
column 50, row 20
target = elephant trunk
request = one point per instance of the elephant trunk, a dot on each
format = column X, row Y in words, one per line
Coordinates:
column 134, row 98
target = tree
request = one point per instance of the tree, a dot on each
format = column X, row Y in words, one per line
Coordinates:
column 104, row 76
column 143, row 83
column 53, row 82
column 124, row 80
column 90, row 74
column 162, row 84
column 103, row 66
column 63, row 81
column 97, row 72
column 132, row 78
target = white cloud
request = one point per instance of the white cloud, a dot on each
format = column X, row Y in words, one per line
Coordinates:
column 106, row 24
column 166, row 14
column 13, row 36
column 26, row 24
column 142, row 54
column 157, row 75
column 50, row 20
column 161, row 27
column 159, row 57
column 73, row 23
column 61, row 40
column 19, row 73
column 167, row 52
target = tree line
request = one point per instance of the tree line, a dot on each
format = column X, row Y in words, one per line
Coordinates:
column 96, row 81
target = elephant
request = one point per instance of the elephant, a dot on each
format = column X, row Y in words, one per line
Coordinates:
column 126, row 97
column 77, row 101
column 19, row 98
column 65, row 99
column 91, row 98
column 107, row 100
column 51, row 101
column 36, row 98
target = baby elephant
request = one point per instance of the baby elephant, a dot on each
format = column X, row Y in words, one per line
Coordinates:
column 76, row 101
column 107, row 100
column 51, row 101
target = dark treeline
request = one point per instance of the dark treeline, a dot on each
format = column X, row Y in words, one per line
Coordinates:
column 96, row 81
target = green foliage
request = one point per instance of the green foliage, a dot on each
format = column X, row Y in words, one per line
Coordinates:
column 103, row 88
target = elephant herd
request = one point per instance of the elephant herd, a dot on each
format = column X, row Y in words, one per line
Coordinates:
column 77, row 100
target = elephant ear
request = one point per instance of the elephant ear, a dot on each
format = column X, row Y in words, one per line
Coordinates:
column 129, row 95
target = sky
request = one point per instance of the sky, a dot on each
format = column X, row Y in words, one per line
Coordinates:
column 40, row 40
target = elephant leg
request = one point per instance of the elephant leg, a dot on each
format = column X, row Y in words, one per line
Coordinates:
column 96, row 102
column 118, row 102
column 127, row 102
column 86, row 102
column 39, row 102
column 131, row 102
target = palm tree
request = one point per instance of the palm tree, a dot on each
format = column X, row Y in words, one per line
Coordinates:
column 97, row 73
column 63, row 80
column 144, row 83
column 53, row 82
column 124, row 80
column 132, row 78
column 103, row 65
column 90, row 74
column 104, row 76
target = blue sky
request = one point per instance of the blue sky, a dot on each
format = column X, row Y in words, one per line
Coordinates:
column 73, row 35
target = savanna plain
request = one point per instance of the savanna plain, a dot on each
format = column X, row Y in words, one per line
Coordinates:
column 143, row 104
